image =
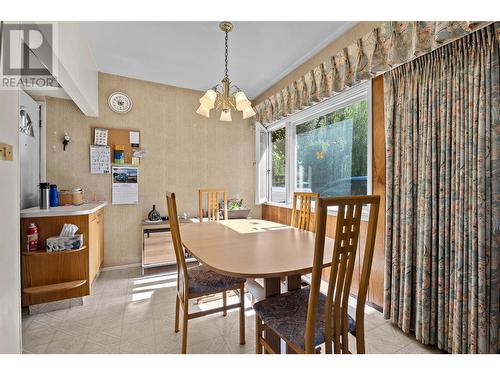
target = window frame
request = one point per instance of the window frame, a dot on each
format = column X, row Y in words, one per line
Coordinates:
column 259, row 128
column 349, row 96
column 270, row 161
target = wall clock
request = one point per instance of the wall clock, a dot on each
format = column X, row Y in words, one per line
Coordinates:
column 120, row 102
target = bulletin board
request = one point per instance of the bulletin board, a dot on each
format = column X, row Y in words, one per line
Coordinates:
column 118, row 137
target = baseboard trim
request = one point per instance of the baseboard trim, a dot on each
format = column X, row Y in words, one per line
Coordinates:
column 113, row 268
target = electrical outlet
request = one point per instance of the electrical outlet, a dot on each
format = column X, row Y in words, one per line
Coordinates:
column 5, row 151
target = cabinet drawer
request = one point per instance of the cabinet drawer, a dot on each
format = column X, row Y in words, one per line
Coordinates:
column 158, row 248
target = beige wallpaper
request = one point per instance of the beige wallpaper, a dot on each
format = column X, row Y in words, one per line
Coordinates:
column 184, row 152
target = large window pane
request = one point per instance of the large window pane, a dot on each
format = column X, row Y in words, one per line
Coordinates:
column 278, row 168
column 331, row 152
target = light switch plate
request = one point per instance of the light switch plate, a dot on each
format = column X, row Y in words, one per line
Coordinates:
column 5, row 151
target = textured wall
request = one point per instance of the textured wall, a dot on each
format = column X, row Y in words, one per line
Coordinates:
column 185, row 152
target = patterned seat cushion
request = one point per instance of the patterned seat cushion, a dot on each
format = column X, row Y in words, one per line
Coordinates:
column 204, row 281
column 286, row 314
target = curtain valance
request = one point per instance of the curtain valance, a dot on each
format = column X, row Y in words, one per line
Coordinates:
column 392, row 44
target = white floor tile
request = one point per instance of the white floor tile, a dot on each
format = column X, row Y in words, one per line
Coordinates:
column 131, row 313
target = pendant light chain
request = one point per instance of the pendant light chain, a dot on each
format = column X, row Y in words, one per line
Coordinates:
column 226, row 53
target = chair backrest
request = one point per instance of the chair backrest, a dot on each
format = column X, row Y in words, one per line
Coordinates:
column 301, row 217
column 212, row 203
column 344, row 256
column 173, row 218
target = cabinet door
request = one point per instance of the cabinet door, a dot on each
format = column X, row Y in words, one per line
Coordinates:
column 100, row 222
column 93, row 248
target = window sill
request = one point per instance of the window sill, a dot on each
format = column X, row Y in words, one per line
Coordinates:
column 276, row 204
column 331, row 211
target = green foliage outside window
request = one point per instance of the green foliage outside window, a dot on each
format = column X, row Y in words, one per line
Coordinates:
column 330, row 159
column 278, row 140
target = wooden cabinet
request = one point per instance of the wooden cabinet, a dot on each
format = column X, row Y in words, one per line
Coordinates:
column 158, row 248
column 157, row 245
column 101, row 238
column 48, row 277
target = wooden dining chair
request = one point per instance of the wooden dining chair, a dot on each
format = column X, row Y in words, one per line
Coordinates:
column 213, row 196
column 301, row 217
column 196, row 282
column 306, row 318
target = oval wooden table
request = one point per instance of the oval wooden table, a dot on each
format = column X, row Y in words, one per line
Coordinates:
column 253, row 248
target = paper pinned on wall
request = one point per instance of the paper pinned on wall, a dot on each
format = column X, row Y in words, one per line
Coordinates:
column 125, row 188
column 134, row 139
column 101, row 137
column 100, row 157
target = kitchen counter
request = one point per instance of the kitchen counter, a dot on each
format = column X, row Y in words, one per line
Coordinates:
column 84, row 209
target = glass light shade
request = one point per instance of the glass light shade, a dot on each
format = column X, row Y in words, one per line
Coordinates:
column 204, row 111
column 208, row 100
column 226, row 115
column 241, row 101
column 248, row 112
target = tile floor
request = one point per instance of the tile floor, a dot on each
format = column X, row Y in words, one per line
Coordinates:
column 131, row 313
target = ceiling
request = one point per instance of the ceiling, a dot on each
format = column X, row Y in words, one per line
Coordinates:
column 191, row 54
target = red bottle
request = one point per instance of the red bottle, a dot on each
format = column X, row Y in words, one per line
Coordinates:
column 32, row 238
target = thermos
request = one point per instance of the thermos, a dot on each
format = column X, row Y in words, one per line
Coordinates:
column 44, row 195
column 54, row 199
column 32, row 237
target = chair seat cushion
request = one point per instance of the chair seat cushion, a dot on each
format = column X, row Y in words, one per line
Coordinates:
column 286, row 314
column 204, row 281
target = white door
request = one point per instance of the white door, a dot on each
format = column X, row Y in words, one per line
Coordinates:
column 29, row 150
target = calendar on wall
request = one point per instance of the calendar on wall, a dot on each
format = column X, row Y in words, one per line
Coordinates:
column 100, row 159
column 101, row 137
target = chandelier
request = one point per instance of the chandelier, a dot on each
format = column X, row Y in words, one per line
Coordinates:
column 225, row 96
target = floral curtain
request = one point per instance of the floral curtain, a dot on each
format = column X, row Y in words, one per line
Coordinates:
column 390, row 45
column 443, row 195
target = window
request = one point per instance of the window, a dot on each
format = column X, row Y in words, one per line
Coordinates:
column 331, row 152
column 278, row 167
column 261, row 141
column 324, row 149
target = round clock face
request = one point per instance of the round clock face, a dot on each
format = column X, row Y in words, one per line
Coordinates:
column 119, row 102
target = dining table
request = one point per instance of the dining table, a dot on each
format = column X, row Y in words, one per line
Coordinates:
column 255, row 249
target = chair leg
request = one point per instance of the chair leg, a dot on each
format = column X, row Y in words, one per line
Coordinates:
column 242, row 315
column 224, row 303
column 360, row 341
column 177, row 301
column 328, row 347
column 258, row 332
column 184, row 328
